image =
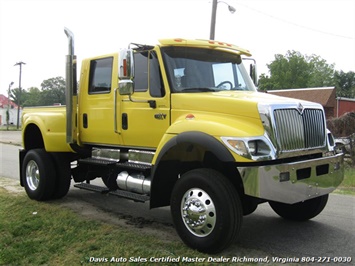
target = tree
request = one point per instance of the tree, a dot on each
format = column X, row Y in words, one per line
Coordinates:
column 15, row 95
column 53, row 91
column 322, row 74
column 295, row 70
column 345, row 84
column 33, row 97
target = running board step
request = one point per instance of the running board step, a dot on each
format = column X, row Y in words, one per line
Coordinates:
column 129, row 195
column 86, row 186
column 118, row 193
column 134, row 166
column 125, row 165
column 97, row 161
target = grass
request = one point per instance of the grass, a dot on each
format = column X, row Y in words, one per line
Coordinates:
column 347, row 187
column 11, row 128
column 44, row 233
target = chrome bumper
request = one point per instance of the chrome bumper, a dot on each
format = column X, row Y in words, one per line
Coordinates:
column 294, row 182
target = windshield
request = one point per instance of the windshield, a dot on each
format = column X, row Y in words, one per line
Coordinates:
column 198, row 69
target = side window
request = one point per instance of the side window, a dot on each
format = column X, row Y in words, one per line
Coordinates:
column 147, row 74
column 100, row 75
column 141, row 71
column 155, row 79
column 241, row 81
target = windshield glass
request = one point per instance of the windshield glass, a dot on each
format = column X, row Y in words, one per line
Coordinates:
column 198, row 69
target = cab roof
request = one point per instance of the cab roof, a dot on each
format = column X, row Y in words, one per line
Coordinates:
column 204, row 44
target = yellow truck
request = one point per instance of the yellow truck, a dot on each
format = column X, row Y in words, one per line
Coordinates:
column 181, row 124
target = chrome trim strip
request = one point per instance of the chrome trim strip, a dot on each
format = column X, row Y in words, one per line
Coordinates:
column 106, row 154
column 142, row 157
column 115, row 126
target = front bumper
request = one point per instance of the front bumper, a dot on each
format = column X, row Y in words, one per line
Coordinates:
column 294, row 182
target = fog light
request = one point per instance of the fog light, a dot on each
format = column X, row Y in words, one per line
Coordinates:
column 253, row 147
column 285, row 176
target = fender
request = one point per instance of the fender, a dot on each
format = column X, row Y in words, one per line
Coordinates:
column 50, row 122
column 164, row 173
column 201, row 139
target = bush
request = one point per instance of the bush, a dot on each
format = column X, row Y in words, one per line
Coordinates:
column 343, row 126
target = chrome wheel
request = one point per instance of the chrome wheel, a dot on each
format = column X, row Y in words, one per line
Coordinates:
column 32, row 175
column 38, row 174
column 198, row 212
column 206, row 210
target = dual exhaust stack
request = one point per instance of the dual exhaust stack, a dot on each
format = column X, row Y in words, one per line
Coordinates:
column 70, row 90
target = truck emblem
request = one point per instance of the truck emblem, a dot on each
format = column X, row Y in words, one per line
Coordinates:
column 300, row 108
column 160, row 116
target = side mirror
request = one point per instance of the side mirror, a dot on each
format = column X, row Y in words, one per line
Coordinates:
column 126, row 72
column 254, row 74
column 126, row 64
column 126, row 87
column 253, row 70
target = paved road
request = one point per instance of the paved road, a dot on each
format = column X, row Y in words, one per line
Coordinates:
column 331, row 234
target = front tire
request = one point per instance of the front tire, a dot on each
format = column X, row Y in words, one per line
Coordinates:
column 38, row 174
column 301, row 211
column 206, row 210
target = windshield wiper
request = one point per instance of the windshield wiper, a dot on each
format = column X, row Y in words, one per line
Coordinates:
column 198, row 90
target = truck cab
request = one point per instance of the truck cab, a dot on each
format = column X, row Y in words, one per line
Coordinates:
column 181, row 124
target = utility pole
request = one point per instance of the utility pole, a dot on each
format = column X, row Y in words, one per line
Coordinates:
column 8, row 106
column 214, row 13
column 19, row 93
column 213, row 19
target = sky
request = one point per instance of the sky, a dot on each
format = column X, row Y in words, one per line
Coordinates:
column 32, row 31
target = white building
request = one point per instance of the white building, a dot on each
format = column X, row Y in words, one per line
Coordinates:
column 7, row 105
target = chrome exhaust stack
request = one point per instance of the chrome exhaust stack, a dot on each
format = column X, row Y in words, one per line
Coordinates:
column 70, row 89
column 135, row 182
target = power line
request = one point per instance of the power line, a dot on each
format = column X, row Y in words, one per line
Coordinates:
column 296, row 24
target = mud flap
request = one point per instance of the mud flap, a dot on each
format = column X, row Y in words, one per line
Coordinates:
column 22, row 154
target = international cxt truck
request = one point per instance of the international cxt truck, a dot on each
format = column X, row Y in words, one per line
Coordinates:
column 181, row 124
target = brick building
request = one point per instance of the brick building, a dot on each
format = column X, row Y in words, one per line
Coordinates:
column 326, row 96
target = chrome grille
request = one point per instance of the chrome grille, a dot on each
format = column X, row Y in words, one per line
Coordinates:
column 295, row 131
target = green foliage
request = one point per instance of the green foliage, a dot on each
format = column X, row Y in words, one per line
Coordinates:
column 345, row 83
column 33, row 97
column 16, row 95
column 322, row 74
column 295, row 70
column 52, row 92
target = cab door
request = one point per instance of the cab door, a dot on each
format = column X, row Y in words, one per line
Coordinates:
column 97, row 101
column 145, row 115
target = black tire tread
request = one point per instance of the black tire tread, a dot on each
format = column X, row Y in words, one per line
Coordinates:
column 301, row 211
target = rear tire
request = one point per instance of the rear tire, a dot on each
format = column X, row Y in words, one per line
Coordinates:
column 38, row 174
column 301, row 211
column 206, row 210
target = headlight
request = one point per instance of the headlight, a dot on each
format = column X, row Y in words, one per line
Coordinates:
column 237, row 145
column 257, row 148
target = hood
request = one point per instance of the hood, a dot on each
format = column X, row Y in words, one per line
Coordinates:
column 240, row 103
